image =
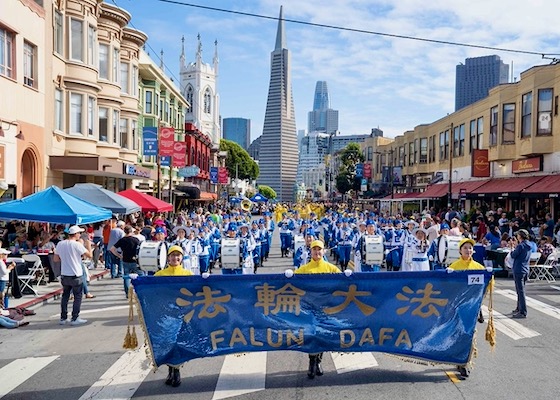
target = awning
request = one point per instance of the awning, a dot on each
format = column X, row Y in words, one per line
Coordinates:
column 506, row 186
column 547, row 185
column 441, row 189
column 190, row 192
column 207, row 196
column 402, row 196
column 434, row 191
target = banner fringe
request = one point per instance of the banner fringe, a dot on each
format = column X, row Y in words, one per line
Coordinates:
column 147, row 344
column 130, row 339
column 490, row 330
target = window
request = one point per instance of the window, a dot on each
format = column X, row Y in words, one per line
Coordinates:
column 76, row 100
column 134, row 126
column 411, row 154
column 7, row 40
column 58, row 107
column 166, row 116
column 494, row 126
column 116, row 62
column 508, row 123
column 190, row 99
column 156, row 105
column 124, row 77
column 526, row 113
column 369, row 153
column 115, row 126
column 402, row 156
column 161, row 110
column 544, row 112
column 92, row 41
column 103, row 124
column 76, row 40
column 91, row 115
column 480, row 131
column 207, row 101
column 472, row 136
column 148, row 101
column 134, row 82
column 432, row 149
column 423, row 151
column 29, row 64
column 124, row 133
column 103, row 61
column 58, row 33
column 459, row 141
column 442, row 152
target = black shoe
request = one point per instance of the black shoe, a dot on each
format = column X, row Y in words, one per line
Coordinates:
column 464, row 372
column 518, row 315
column 480, row 317
column 311, row 369
column 169, row 379
column 318, row 368
column 515, row 311
column 176, row 381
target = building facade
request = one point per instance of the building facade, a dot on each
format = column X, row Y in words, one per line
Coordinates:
column 278, row 156
column 313, row 149
column 322, row 118
column 237, row 130
column 476, row 77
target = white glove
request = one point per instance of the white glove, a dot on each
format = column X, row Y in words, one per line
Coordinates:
column 489, row 269
column 387, row 252
column 289, row 273
column 205, row 275
column 133, row 276
column 348, row 272
column 449, row 270
column 431, row 258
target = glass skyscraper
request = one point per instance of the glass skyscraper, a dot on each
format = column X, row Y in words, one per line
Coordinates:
column 237, row 130
column 322, row 118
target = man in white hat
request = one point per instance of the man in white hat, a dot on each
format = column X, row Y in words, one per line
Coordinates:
column 69, row 252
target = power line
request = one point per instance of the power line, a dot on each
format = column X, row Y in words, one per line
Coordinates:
column 342, row 28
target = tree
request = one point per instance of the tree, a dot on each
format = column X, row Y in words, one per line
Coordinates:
column 238, row 161
column 346, row 179
column 267, row 192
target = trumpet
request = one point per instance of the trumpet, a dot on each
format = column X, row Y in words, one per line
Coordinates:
column 246, row 205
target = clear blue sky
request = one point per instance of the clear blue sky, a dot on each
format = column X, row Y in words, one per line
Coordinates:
column 374, row 81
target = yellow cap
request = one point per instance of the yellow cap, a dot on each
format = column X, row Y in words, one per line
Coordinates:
column 175, row 248
column 466, row 240
column 317, row 243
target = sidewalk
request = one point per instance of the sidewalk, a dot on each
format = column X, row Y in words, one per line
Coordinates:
column 52, row 291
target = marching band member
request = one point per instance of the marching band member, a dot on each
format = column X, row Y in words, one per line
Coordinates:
column 193, row 250
column 397, row 244
column 257, row 252
column 181, row 237
column 439, row 248
column 418, row 250
column 264, row 241
column 270, row 226
column 286, row 232
column 303, row 254
column 355, row 245
column 361, row 249
column 408, row 243
column 248, row 245
column 232, row 234
column 204, row 243
column 214, row 237
column 344, row 242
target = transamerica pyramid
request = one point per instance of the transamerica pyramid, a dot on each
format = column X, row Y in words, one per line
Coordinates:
column 278, row 157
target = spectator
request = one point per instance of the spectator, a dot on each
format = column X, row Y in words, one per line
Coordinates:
column 493, row 237
column 545, row 248
column 548, row 226
column 521, row 255
column 4, row 274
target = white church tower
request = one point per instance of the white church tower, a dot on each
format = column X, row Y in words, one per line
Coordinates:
column 199, row 87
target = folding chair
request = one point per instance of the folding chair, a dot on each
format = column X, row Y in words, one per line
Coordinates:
column 543, row 271
column 533, row 269
column 35, row 274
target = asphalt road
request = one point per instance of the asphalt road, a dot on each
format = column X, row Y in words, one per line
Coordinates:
column 48, row 361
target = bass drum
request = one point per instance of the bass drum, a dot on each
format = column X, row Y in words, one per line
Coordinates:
column 230, row 253
column 453, row 249
column 299, row 241
column 152, row 256
column 192, row 263
column 373, row 250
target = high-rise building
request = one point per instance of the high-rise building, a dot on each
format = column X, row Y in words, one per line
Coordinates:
column 476, row 77
column 322, row 118
column 278, row 156
column 255, row 149
column 312, row 151
column 237, row 130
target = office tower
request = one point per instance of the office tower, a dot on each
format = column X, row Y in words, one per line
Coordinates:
column 322, row 118
column 278, row 157
column 476, row 77
column 312, row 151
column 237, row 130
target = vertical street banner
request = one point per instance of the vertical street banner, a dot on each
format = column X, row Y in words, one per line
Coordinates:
column 165, row 161
column 367, row 171
column 179, row 154
column 214, row 175
column 166, row 141
column 359, row 170
column 223, row 175
column 149, row 141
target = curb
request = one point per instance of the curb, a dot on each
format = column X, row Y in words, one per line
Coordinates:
column 48, row 297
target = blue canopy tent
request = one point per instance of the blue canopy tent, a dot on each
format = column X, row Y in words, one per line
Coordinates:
column 53, row 205
column 235, row 200
column 101, row 197
column 259, row 197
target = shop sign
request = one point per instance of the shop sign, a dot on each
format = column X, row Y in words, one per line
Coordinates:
column 189, row 172
column 480, row 165
column 143, row 186
column 553, row 195
column 131, row 169
column 533, row 164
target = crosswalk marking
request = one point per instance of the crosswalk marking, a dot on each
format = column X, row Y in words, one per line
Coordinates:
column 348, row 362
column 555, row 287
column 18, row 371
column 241, row 374
column 96, row 310
column 122, row 379
column 510, row 327
column 549, row 310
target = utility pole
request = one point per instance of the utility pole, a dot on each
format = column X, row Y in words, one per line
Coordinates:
column 391, row 182
column 450, row 182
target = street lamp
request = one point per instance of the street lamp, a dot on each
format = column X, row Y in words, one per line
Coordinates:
column 450, row 182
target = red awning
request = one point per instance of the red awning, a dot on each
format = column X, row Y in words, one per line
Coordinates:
column 507, row 185
column 147, row 202
column 434, row 191
column 402, row 196
column 207, row 196
column 548, row 184
column 441, row 189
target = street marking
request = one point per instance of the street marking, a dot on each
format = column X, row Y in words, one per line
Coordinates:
column 509, row 327
column 555, row 287
column 18, row 371
column 113, row 308
column 348, row 362
column 122, row 379
column 549, row 310
column 453, row 376
column 241, row 374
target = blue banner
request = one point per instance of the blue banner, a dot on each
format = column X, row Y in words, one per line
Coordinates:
column 165, row 161
column 149, row 141
column 214, row 175
column 359, row 170
column 427, row 315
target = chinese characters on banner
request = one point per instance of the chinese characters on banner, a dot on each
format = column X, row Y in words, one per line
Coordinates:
column 223, row 175
column 393, row 313
column 166, row 141
column 179, row 154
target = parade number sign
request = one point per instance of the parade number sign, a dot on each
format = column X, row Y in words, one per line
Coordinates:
column 428, row 315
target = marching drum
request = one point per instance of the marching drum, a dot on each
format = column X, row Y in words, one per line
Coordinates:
column 230, row 253
column 152, row 256
column 191, row 263
column 453, row 249
column 374, row 250
column 299, row 241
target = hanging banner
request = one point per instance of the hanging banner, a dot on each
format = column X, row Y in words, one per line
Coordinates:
column 429, row 315
column 223, row 175
column 214, row 175
column 179, row 154
column 166, row 141
column 165, row 161
column 359, row 170
column 149, row 141
column 367, row 171
column 480, row 165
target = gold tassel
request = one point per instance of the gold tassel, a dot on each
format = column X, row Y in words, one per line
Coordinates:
column 490, row 330
column 130, row 340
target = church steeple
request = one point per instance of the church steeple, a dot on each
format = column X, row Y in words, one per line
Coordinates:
column 280, row 34
column 216, row 60
column 199, row 51
column 182, row 58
